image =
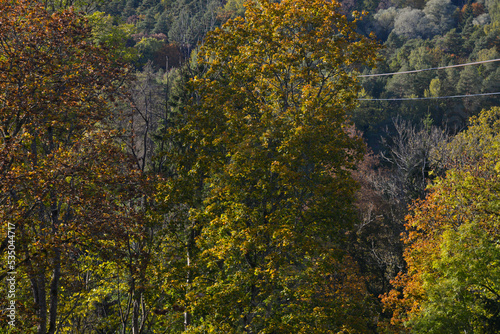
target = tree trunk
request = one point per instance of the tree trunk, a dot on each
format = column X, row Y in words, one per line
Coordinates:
column 41, row 300
column 54, row 291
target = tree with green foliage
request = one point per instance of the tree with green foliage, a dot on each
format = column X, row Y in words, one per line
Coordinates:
column 494, row 11
column 453, row 279
column 86, row 6
column 162, row 24
column 441, row 14
column 235, row 7
column 265, row 174
column 114, row 37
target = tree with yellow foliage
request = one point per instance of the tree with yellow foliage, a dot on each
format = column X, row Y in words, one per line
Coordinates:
column 266, row 172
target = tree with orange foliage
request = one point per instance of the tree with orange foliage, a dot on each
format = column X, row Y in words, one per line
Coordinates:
column 453, row 279
column 66, row 186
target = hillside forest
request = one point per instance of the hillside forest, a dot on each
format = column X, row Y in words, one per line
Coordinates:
column 260, row 166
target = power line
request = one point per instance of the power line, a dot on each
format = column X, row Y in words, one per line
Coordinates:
column 428, row 69
column 430, row 98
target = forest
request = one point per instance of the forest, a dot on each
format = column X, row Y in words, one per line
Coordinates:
column 259, row 166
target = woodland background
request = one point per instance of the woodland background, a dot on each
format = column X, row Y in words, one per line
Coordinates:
column 167, row 175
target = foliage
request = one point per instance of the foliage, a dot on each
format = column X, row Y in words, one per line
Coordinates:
column 452, row 284
column 114, row 37
column 254, row 221
column 412, row 23
column 440, row 14
column 265, row 172
column 235, row 7
column 389, row 182
column 86, row 6
column 66, row 185
column 446, row 38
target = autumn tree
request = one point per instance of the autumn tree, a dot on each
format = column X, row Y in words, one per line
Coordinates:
column 453, row 282
column 66, row 186
column 86, row 6
column 264, row 173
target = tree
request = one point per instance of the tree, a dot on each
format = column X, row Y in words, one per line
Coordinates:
column 265, row 173
column 148, row 24
column 441, row 14
column 494, row 11
column 141, row 114
column 235, row 7
column 385, row 18
column 412, row 23
column 86, row 6
column 191, row 21
column 114, row 38
column 386, row 190
column 162, row 24
column 67, row 187
column 453, row 282
column 470, row 83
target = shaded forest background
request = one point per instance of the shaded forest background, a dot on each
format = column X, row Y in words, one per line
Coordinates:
column 143, row 205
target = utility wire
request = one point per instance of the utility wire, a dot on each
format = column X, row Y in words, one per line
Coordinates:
column 428, row 69
column 430, row 98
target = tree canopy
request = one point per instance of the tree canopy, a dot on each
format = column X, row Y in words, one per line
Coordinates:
column 156, row 177
column 452, row 284
column 267, row 160
column 64, row 177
